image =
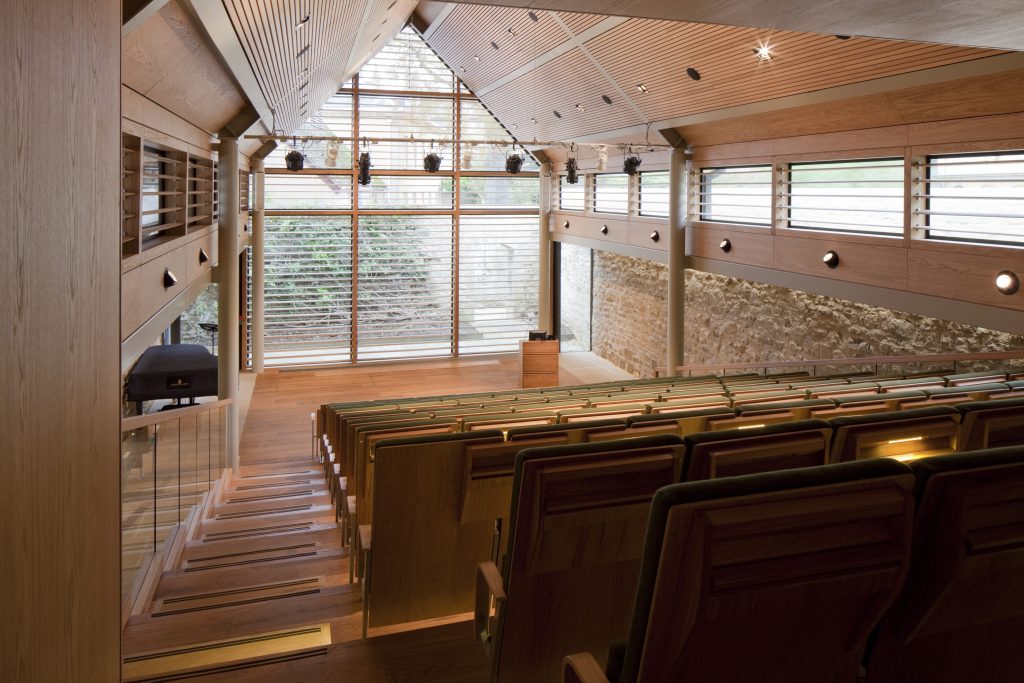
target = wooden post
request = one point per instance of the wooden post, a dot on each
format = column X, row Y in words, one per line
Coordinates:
column 676, row 259
column 228, row 288
column 544, row 321
column 258, row 264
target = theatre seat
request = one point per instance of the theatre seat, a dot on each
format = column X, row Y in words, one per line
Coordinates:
column 905, row 434
column 989, row 424
column 960, row 616
column 768, row 578
column 576, row 534
column 711, row 455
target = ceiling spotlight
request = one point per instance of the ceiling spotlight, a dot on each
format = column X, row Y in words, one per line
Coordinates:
column 579, row 107
column 607, row 100
column 841, row 37
column 512, row 32
column 294, row 160
column 763, row 53
column 432, row 163
column 557, row 115
column 725, row 245
column 631, row 165
column 693, row 73
column 364, row 168
column 640, row 87
column 1007, row 282
column 533, row 120
column 513, row 163
column 830, row 259
column 476, row 58
column 533, row 17
column 494, row 45
column 302, row 22
column 571, row 175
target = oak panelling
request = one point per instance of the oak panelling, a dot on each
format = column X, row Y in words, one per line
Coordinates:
column 967, row 277
column 1004, row 128
column 649, row 236
column 144, row 292
column 978, row 96
column 59, row 402
column 167, row 60
column 868, row 264
column 157, row 121
column 195, row 266
column 752, row 246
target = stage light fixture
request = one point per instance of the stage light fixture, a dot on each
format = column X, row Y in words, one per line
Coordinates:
column 294, row 160
column 571, row 171
column 364, row 168
column 631, row 165
column 432, row 163
column 513, row 163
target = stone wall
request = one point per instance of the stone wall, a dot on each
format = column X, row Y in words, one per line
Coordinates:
column 629, row 317
column 731, row 320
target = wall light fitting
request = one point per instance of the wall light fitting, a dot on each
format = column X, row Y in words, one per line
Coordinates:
column 1007, row 282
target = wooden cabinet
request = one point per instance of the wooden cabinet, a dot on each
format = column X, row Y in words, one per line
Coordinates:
column 538, row 362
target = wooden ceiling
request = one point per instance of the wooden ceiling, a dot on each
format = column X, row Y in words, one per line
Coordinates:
column 299, row 62
column 563, row 62
column 167, row 60
column 976, row 23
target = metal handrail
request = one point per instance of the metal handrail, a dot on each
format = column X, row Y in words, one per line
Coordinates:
column 955, row 358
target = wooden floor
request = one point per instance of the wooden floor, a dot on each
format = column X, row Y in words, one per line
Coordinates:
column 265, row 567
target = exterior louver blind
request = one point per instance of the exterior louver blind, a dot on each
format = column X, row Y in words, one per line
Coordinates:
column 654, row 194
column 299, row 192
column 406, row 282
column 308, row 289
column 571, row 196
column 333, row 118
column 407, row 63
column 611, row 193
column 861, row 196
column 974, row 197
column 735, row 194
column 425, row 118
column 497, row 282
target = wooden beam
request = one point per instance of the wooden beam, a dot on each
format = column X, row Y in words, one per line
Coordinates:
column 134, row 13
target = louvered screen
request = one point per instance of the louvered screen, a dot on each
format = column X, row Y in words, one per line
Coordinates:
column 498, row 261
column 654, row 194
column 501, row 192
column 571, row 196
column 860, row 196
column 308, row 290
column 427, row 118
column 974, row 197
column 611, row 193
column 333, row 119
column 406, row 63
column 405, row 293
column 734, row 194
column 304, row 192
column 407, row 192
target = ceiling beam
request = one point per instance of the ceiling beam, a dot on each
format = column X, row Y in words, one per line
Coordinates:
column 974, row 23
column 134, row 13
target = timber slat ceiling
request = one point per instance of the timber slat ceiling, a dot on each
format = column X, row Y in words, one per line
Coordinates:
column 544, row 68
column 167, row 60
column 470, row 29
column 300, row 65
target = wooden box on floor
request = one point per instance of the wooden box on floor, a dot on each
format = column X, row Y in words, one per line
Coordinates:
column 538, row 363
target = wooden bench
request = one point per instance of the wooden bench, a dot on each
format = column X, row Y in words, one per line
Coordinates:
column 716, row 605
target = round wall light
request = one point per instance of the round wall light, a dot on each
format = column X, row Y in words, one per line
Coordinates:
column 725, row 245
column 1007, row 282
column 604, row 229
column 830, row 259
column 565, row 225
column 655, row 236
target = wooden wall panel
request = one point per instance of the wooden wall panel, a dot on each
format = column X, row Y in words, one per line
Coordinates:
column 868, row 264
column 752, row 246
column 967, row 277
column 60, row 393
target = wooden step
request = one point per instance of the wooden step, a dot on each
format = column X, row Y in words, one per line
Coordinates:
column 242, row 595
column 280, row 516
column 275, row 506
column 229, row 654
column 232, row 499
column 324, row 534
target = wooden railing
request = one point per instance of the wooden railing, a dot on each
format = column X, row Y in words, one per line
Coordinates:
column 139, row 421
column 876, row 361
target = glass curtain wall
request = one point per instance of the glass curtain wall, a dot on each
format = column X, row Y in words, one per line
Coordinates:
column 414, row 264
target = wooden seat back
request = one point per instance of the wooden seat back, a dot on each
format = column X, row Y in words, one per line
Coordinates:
column 990, row 424
column 681, row 423
column 424, row 558
column 762, row 414
column 911, row 382
column 578, row 515
column 905, row 434
column 855, row 389
column 961, row 614
column 711, row 455
column 770, row 578
column 607, row 412
column 968, row 378
column 866, row 404
column 948, row 396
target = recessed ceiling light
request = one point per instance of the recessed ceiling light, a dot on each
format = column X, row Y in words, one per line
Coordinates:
column 640, row 87
column 383, row 21
column 763, row 53
column 693, row 73
column 476, row 58
column 533, row 17
column 579, row 107
column 512, row 32
column 557, row 115
column 462, row 69
column 533, row 120
column 607, row 100
column 302, row 22
column 494, row 45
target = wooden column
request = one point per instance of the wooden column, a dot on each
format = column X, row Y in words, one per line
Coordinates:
column 228, row 291
column 258, row 263
column 544, row 321
column 676, row 259
column 60, row 391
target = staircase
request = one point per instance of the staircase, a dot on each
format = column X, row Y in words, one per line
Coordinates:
column 256, row 575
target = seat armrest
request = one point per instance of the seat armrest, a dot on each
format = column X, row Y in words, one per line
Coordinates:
column 490, row 591
column 582, row 668
column 365, row 536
